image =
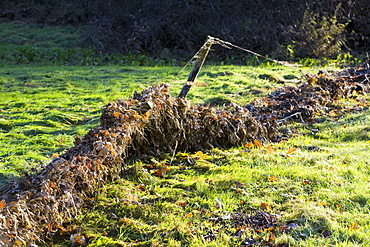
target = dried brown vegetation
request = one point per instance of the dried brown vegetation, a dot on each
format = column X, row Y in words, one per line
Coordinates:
column 39, row 205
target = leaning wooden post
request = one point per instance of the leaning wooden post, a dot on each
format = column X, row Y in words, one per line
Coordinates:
column 197, row 66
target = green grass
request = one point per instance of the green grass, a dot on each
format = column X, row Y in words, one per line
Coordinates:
column 320, row 189
column 44, row 107
column 315, row 184
column 38, row 44
column 41, row 36
column 35, row 43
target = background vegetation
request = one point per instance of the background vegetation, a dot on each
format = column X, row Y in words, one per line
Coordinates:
column 314, row 184
column 165, row 29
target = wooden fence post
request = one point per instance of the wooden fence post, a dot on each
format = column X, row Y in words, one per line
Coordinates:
column 197, row 66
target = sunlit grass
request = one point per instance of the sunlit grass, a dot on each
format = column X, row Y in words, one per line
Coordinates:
column 316, row 183
column 319, row 187
column 43, row 108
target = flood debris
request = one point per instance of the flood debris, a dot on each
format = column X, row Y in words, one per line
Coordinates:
column 152, row 122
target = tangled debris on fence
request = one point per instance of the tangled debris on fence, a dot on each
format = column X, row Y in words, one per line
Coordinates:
column 152, row 123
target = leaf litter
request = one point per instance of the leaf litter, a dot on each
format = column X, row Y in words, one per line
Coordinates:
column 152, row 123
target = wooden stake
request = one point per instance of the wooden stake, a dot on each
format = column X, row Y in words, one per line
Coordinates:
column 197, row 66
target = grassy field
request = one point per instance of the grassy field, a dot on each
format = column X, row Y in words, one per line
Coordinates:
column 311, row 189
column 44, row 107
column 313, row 186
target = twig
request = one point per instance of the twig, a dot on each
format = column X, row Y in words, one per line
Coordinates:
column 174, row 152
column 286, row 118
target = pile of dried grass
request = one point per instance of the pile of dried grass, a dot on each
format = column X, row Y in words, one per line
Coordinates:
column 316, row 95
column 153, row 122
